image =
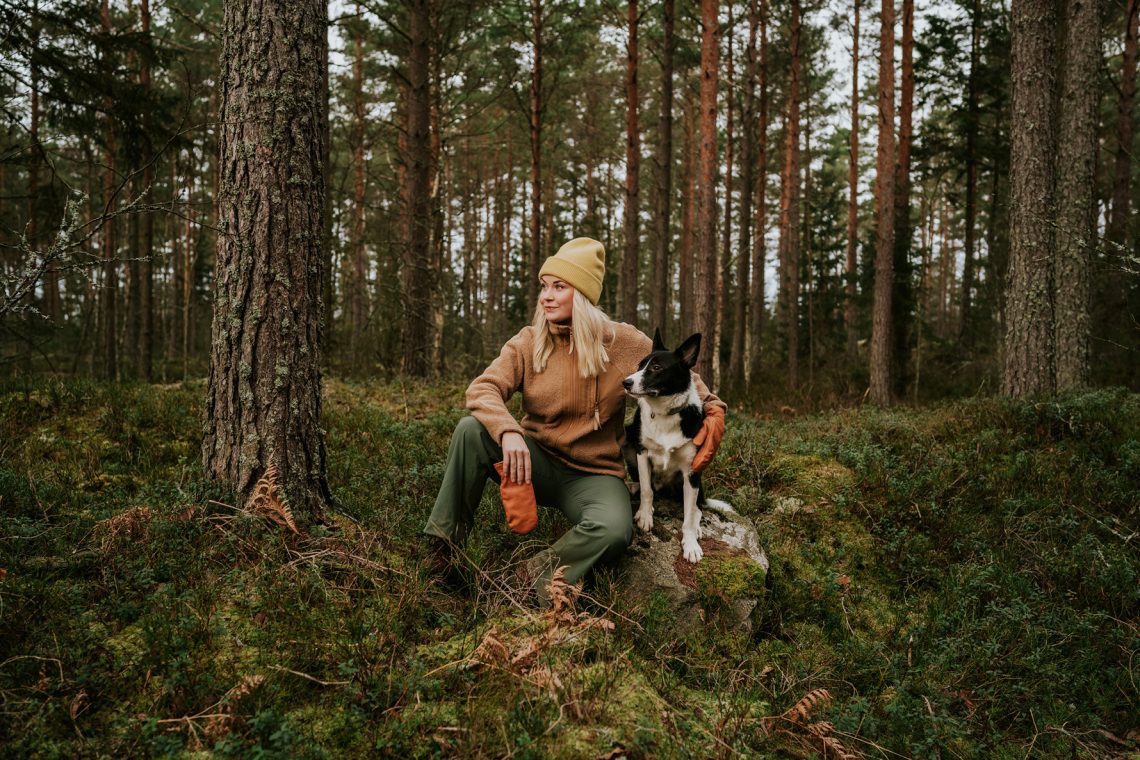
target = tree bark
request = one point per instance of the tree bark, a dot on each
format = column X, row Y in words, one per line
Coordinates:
column 357, row 290
column 688, row 216
column 263, row 405
column 419, row 274
column 902, row 297
column 1125, row 130
column 851, row 266
column 724, row 271
column 631, row 227
column 1029, row 338
column 759, row 245
column 880, row 369
column 658, row 310
column 146, row 266
column 1076, row 178
column 704, row 270
column 747, row 182
column 788, row 302
column 110, row 264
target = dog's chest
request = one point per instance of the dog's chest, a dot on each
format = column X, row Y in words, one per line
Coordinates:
column 668, row 448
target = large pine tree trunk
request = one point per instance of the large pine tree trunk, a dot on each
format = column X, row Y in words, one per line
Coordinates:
column 850, row 268
column 631, row 228
column 357, row 290
column 704, row 269
column 1125, row 126
column 263, row 406
column 658, row 313
column 747, row 181
column 789, row 299
column 902, row 296
column 966, row 317
column 1076, row 175
column 418, row 270
column 880, row 390
column 1029, row 338
column 759, row 245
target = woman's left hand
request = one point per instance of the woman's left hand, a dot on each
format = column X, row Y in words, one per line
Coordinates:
column 709, row 436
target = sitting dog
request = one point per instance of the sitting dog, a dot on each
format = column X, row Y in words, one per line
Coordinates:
column 659, row 447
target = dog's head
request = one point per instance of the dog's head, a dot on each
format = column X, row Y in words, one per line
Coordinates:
column 664, row 372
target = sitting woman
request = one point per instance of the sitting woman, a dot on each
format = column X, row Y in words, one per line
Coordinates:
column 569, row 365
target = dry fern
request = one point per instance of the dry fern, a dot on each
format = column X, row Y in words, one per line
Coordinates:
column 802, row 710
column 129, row 524
column 266, row 500
column 823, row 732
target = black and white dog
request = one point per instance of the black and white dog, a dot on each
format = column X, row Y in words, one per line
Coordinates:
column 659, row 447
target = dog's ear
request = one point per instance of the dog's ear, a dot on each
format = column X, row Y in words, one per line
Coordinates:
column 658, row 344
column 689, row 349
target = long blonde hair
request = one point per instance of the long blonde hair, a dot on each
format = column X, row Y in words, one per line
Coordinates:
column 589, row 330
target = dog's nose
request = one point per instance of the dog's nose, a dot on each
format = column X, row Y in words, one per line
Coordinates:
column 627, row 383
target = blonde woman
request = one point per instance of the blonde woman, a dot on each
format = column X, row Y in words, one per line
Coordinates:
column 568, row 364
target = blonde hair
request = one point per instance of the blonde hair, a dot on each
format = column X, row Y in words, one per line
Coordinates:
column 589, row 330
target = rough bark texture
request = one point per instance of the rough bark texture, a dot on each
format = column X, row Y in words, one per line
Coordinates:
column 885, row 199
column 418, row 271
column 632, row 228
column 747, row 181
column 789, row 299
column 759, row 245
column 850, row 268
column 1028, row 352
column 658, row 311
column 704, row 269
column 1076, row 176
column 263, row 404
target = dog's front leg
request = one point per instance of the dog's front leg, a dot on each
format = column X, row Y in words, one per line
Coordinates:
column 644, row 515
column 691, row 526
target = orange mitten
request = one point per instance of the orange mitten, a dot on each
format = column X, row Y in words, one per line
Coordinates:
column 708, row 437
column 518, row 502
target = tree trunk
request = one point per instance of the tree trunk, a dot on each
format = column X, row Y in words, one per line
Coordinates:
column 885, row 198
column 1076, row 177
column 902, row 296
column 965, row 324
column 146, row 266
column 851, row 273
column 263, row 405
column 419, row 274
column 531, row 282
column 631, row 228
column 688, row 216
column 788, row 302
column 357, row 290
column 747, row 180
column 110, row 265
column 724, row 272
column 759, row 245
column 704, row 269
column 658, row 309
column 1029, row 338
column 1122, row 168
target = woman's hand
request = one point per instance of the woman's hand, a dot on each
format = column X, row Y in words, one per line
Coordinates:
column 516, row 458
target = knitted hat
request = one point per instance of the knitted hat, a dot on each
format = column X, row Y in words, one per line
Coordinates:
column 582, row 263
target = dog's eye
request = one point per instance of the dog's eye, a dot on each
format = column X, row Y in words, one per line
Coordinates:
column 655, row 367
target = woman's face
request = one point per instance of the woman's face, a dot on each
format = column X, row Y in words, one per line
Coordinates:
column 557, row 299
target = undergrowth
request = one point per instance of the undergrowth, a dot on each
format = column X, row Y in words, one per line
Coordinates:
column 954, row 581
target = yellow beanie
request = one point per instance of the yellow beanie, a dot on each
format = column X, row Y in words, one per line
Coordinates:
column 582, row 263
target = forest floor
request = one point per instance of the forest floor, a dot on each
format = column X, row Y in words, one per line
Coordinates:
column 958, row 581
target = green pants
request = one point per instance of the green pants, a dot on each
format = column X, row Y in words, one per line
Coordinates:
column 596, row 505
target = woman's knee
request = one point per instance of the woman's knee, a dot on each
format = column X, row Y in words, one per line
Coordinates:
column 612, row 535
column 469, row 429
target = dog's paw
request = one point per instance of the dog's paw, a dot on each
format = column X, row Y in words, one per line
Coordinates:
column 691, row 549
column 644, row 518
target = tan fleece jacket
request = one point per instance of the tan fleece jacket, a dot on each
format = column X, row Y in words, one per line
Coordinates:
column 559, row 405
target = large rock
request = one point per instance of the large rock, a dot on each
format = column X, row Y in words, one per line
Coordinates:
column 725, row 586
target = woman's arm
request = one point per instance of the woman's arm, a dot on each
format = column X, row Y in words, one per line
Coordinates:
column 487, row 395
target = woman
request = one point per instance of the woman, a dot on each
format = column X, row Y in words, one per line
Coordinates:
column 569, row 365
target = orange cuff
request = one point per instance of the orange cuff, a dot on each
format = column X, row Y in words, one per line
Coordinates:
column 708, row 437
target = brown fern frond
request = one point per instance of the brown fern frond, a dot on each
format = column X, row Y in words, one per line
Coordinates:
column 267, row 501
column 802, row 710
column 129, row 524
column 222, row 722
column 823, row 731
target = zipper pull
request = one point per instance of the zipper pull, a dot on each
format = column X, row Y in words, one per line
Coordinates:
column 597, row 419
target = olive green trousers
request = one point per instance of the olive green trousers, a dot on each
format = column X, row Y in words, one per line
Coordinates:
column 597, row 506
